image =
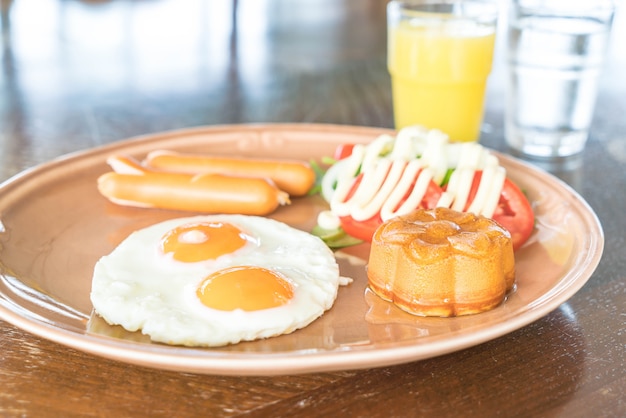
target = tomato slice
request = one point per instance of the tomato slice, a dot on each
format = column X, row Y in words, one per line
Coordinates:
column 513, row 211
column 343, row 151
column 364, row 230
column 515, row 214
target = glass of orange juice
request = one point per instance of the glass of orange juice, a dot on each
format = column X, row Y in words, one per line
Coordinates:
column 439, row 57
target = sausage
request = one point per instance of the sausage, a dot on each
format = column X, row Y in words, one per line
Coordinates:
column 208, row 193
column 293, row 177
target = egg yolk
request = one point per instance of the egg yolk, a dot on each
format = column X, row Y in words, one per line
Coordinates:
column 202, row 241
column 244, row 287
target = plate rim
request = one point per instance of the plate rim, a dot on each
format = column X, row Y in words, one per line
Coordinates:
column 247, row 363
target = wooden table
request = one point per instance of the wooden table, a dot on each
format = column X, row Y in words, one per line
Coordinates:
column 77, row 74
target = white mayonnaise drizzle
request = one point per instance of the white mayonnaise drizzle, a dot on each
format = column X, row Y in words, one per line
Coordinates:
column 392, row 167
column 409, row 174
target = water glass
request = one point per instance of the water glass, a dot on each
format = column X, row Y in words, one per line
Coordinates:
column 556, row 49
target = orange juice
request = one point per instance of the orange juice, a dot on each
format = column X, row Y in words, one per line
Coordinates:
column 439, row 74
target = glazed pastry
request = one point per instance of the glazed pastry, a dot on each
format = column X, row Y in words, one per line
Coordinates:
column 441, row 262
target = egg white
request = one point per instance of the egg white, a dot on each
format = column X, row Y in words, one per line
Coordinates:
column 138, row 287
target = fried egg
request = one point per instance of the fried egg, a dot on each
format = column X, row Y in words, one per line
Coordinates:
column 215, row 280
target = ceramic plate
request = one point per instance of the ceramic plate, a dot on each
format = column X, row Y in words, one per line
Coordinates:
column 54, row 226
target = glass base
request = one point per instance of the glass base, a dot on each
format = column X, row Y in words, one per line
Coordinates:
column 546, row 144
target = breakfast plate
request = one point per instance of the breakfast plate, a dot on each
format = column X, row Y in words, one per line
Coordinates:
column 54, row 226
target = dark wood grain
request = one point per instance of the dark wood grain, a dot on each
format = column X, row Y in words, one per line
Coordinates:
column 77, row 74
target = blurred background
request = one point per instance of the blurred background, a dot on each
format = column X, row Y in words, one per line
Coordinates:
column 76, row 74
column 93, row 67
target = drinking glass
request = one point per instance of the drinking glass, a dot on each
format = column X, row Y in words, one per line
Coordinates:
column 556, row 49
column 440, row 55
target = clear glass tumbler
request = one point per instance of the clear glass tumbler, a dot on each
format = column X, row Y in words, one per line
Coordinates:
column 556, row 50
